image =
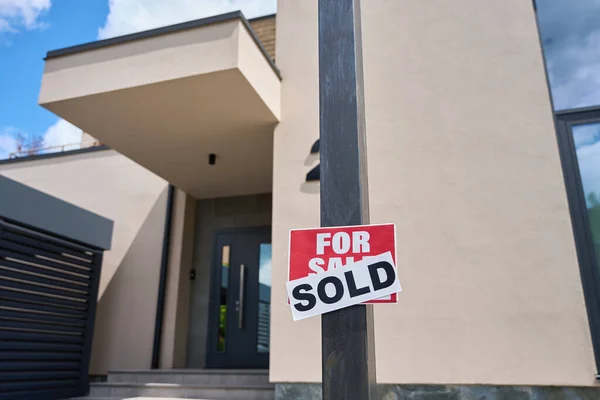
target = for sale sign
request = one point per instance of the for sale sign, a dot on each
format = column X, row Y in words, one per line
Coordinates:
column 320, row 250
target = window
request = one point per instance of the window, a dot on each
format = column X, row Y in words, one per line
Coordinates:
column 264, row 298
column 586, row 138
column 570, row 35
column 579, row 141
column 222, row 334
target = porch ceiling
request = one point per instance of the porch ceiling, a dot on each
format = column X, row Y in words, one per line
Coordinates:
column 168, row 98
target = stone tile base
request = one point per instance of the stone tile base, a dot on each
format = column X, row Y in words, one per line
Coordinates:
column 312, row 391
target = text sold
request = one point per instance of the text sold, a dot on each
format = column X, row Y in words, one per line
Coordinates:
column 344, row 286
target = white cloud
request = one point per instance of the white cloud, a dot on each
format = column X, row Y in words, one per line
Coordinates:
column 62, row 133
column 18, row 14
column 585, row 135
column 61, row 136
column 128, row 16
column 8, row 143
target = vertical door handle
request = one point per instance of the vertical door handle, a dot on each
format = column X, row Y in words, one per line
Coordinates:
column 241, row 300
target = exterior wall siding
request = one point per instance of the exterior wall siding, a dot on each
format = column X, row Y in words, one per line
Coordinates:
column 463, row 159
column 126, row 312
column 173, row 351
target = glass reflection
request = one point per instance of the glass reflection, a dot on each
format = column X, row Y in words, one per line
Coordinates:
column 571, row 37
column 587, row 145
column 264, row 298
column 222, row 333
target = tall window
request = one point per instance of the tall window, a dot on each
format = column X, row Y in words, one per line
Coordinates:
column 570, row 35
column 586, row 137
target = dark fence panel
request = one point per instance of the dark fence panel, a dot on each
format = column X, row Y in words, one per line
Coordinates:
column 48, row 292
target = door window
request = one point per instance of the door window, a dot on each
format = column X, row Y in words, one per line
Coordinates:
column 222, row 335
column 264, row 298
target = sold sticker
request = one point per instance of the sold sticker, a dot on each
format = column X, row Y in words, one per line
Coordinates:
column 371, row 278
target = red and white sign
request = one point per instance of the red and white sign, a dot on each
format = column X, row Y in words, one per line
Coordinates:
column 314, row 251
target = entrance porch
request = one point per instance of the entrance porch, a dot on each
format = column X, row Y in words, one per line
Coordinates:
column 214, row 341
column 195, row 104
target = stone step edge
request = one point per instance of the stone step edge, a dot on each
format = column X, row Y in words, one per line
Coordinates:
column 104, row 398
column 192, row 371
column 121, row 398
column 178, row 386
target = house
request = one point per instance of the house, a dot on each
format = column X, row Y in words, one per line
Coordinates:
column 207, row 129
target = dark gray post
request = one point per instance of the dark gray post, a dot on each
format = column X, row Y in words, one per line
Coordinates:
column 348, row 354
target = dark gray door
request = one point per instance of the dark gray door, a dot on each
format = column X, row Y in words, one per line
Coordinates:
column 240, row 299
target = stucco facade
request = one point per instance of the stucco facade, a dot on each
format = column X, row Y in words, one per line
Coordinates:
column 462, row 157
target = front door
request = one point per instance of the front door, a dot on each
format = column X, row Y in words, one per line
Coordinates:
column 240, row 299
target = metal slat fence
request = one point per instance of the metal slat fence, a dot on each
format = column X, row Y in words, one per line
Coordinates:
column 48, row 292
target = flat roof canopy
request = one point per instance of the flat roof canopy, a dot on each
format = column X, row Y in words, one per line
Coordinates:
column 169, row 97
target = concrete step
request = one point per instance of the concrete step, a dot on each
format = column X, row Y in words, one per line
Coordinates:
column 127, row 398
column 137, row 398
column 181, row 391
column 192, row 377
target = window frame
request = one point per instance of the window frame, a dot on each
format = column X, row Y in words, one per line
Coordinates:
column 589, row 265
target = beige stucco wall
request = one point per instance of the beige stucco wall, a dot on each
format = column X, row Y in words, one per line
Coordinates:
column 463, row 158
column 126, row 313
column 111, row 185
column 141, row 62
column 173, row 349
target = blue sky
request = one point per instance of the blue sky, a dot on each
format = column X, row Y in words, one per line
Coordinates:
column 29, row 28
column 22, row 50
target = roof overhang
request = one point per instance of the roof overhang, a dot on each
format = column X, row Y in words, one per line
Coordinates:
column 169, row 97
